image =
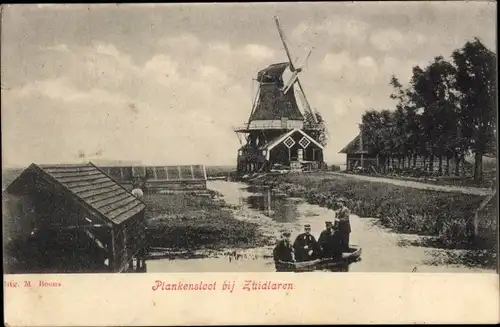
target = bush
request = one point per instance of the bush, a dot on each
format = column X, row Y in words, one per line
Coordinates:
column 334, row 168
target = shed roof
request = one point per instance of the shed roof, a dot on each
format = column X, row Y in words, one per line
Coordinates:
column 89, row 185
column 353, row 147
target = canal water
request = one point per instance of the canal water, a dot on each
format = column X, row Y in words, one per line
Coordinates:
column 383, row 250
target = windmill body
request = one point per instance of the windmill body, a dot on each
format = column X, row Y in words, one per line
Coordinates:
column 278, row 132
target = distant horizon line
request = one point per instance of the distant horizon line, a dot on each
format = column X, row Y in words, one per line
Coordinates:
column 118, row 163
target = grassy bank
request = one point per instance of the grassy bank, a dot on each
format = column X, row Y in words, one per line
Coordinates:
column 191, row 222
column 447, row 216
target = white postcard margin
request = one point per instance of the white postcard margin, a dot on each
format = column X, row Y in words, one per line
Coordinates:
column 250, row 298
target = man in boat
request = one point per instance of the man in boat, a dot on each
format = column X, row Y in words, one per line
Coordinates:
column 283, row 251
column 329, row 241
column 344, row 225
column 306, row 247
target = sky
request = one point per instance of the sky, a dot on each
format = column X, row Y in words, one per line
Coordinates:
column 167, row 84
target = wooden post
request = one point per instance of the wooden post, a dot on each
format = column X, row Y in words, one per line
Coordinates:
column 361, row 147
column 479, row 209
column 112, row 259
column 269, row 201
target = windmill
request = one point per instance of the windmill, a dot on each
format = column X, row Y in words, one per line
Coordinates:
column 277, row 131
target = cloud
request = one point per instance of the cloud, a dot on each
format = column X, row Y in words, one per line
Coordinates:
column 162, row 69
column 258, row 52
column 184, row 41
column 59, row 47
column 107, row 49
column 387, row 39
column 343, row 65
column 335, row 28
column 337, row 62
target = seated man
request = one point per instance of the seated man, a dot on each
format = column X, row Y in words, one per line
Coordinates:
column 329, row 241
column 325, row 240
column 305, row 245
column 283, row 251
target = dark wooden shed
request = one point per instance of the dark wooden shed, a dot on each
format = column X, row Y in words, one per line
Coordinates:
column 80, row 219
column 358, row 156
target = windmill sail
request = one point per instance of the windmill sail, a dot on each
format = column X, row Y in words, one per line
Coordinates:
column 282, row 36
column 309, row 113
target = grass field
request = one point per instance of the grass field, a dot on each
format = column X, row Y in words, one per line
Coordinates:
column 193, row 222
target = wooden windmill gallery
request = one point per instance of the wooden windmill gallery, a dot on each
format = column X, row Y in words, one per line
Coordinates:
column 278, row 133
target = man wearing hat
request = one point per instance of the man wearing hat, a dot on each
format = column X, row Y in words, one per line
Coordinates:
column 329, row 240
column 305, row 245
column 342, row 216
column 283, row 251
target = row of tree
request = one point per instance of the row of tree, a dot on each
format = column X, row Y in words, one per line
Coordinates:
column 447, row 111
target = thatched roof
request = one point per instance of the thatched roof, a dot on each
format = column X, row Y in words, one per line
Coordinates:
column 273, row 103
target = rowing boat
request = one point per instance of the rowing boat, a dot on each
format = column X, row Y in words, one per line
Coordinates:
column 353, row 255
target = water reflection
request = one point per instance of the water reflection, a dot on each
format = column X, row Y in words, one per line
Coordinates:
column 276, row 206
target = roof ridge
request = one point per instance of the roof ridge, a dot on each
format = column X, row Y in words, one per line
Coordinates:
column 119, row 184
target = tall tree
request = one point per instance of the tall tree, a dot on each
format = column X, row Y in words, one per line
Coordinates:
column 475, row 79
column 434, row 92
column 321, row 133
column 377, row 129
column 407, row 120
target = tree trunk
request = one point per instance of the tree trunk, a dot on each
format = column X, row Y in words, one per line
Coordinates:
column 457, row 165
column 425, row 163
column 440, row 167
column 448, row 165
column 431, row 163
column 414, row 160
column 478, row 166
column 462, row 162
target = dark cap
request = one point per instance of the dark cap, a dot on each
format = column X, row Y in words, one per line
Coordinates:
column 286, row 233
column 307, row 226
column 328, row 223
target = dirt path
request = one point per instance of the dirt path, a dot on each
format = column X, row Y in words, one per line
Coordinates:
column 420, row 185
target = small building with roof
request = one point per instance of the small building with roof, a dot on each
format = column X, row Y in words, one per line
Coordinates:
column 358, row 156
column 74, row 218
